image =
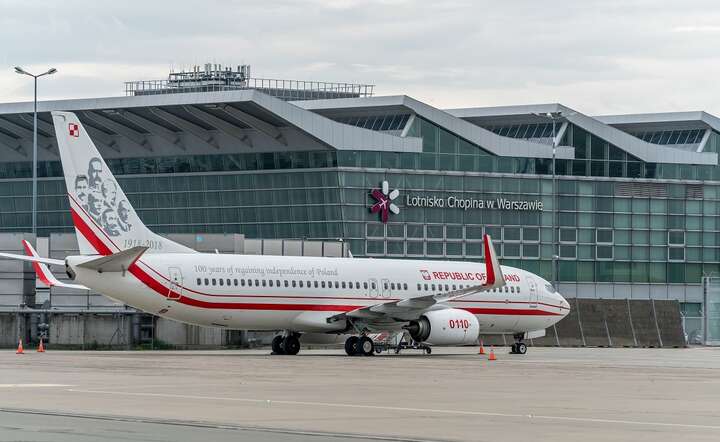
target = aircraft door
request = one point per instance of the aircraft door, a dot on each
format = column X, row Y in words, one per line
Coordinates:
column 533, row 292
column 373, row 288
column 385, row 287
column 176, row 281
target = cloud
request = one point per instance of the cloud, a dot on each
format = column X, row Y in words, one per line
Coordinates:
column 600, row 56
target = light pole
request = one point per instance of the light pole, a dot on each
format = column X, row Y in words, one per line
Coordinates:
column 19, row 70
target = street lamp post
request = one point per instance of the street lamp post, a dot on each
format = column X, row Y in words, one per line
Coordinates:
column 21, row 71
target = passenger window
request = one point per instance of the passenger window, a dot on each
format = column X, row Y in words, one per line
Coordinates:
column 322, row 284
column 221, row 281
column 433, row 287
column 199, row 281
column 419, row 286
column 316, row 284
column 264, row 283
column 373, row 286
column 293, row 283
column 257, row 283
column 213, row 281
column 286, row 283
column 207, row 281
column 343, row 284
column 357, row 285
column 235, row 282
column 270, row 282
column 229, row 282
column 447, row 287
column 365, row 285
column 301, row 283
column 242, row 282
column 426, row 287
column 392, row 286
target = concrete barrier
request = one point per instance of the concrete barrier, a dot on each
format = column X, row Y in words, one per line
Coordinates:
column 643, row 320
column 669, row 321
column 617, row 316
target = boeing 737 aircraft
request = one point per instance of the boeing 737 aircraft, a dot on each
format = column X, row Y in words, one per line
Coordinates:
column 437, row 302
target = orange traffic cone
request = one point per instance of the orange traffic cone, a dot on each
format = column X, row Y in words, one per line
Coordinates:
column 492, row 356
column 482, row 349
column 41, row 348
column 20, row 350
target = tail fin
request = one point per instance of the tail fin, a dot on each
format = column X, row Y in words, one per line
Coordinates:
column 105, row 221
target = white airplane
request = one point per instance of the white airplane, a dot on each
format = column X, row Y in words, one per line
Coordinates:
column 437, row 302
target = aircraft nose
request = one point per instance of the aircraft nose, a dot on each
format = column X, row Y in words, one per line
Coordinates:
column 564, row 304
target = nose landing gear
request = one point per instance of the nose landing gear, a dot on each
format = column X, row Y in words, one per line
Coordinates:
column 519, row 347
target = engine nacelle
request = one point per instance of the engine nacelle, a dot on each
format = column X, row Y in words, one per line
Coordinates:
column 450, row 326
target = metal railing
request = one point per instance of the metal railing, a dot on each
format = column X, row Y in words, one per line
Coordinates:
column 283, row 89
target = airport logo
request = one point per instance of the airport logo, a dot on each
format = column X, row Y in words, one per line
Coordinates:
column 74, row 130
column 384, row 204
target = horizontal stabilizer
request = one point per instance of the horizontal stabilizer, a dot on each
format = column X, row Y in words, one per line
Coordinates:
column 44, row 274
column 117, row 262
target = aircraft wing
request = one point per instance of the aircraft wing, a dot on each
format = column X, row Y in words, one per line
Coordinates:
column 44, row 274
column 412, row 308
column 34, row 259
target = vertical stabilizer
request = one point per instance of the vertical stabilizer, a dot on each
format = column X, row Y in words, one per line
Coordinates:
column 105, row 221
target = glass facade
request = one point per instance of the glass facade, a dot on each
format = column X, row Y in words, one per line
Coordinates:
column 664, row 228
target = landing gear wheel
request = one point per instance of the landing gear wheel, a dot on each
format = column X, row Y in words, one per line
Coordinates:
column 291, row 345
column 351, row 345
column 521, row 348
column 277, row 345
column 513, row 349
column 428, row 350
column 365, row 346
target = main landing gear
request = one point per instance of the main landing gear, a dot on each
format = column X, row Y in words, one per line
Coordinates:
column 359, row 346
column 519, row 347
column 286, row 344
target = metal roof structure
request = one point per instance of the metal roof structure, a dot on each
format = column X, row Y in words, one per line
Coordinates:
column 244, row 120
column 252, row 121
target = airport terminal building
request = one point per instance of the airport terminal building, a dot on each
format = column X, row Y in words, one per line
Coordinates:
column 634, row 199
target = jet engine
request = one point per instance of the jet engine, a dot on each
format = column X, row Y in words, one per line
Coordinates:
column 450, row 326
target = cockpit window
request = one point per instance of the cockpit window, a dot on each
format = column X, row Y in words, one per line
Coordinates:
column 550, row 288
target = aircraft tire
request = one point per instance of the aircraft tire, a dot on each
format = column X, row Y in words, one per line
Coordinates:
column 521, row 348
column 277, row 345
column 291, row 345
column 351, row 345
column 365, row 346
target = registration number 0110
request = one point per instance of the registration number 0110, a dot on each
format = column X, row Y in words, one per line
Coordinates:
column 459, row 323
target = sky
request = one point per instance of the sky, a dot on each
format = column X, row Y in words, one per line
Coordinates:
column 599, row 57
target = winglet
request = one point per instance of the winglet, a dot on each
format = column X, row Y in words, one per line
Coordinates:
column 43, row 272
column 495, row 277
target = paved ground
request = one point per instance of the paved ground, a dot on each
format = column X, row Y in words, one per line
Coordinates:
column 547, row 395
